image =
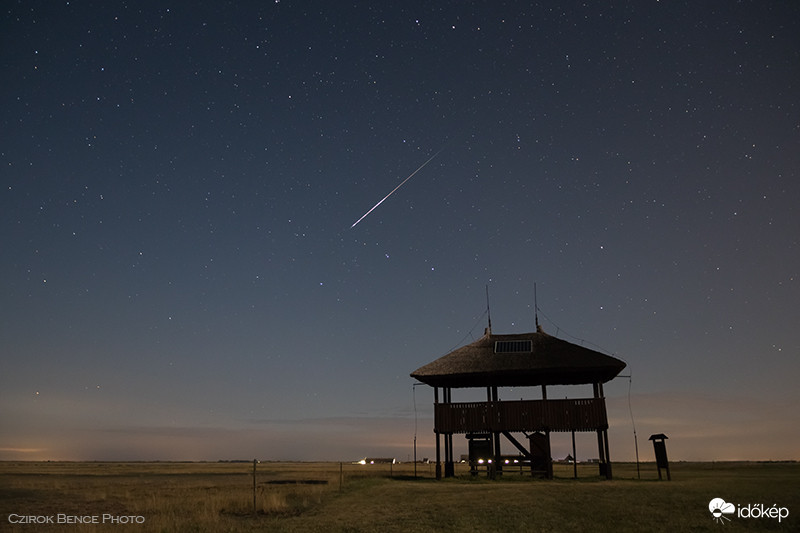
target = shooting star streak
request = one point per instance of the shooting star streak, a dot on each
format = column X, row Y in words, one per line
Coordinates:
column 393, row 190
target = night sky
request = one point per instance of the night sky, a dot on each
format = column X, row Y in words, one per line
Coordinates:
column 179, row 275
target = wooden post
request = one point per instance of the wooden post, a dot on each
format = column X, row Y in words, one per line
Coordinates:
column 446, row 400
column 498, row 459
column 601, row 450
column 438, row 445
column 607, row 458
column 255, row 513
column 608, row 455
column 549, row 474
column 415, row 455
column 490, row 466
column 574, row 458
column 449, row 467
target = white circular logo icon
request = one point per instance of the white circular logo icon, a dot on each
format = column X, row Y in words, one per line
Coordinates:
column 719, row 508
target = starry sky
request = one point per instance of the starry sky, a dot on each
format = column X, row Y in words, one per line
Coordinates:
column 179, row 274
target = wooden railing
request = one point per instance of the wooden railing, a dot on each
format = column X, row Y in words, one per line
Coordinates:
column 584, row 414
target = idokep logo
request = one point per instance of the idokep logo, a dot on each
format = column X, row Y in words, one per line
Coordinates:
column 719, row 508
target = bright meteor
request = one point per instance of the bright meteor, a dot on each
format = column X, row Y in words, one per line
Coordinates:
column 393, row 190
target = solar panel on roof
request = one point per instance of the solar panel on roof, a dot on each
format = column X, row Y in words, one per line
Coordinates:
column 513, row 346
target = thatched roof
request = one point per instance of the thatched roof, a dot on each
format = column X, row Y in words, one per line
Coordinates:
column 519, row 360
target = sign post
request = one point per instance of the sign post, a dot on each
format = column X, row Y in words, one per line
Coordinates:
column 660, row 448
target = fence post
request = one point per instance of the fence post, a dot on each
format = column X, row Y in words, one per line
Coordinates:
column 255, row 513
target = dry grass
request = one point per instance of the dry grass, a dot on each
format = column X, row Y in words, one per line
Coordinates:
column 178, row 497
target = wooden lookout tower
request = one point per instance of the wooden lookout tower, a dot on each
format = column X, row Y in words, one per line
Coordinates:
column 520, row 360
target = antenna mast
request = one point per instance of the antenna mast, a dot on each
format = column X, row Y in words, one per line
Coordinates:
column 535, row 308
column 488, row 311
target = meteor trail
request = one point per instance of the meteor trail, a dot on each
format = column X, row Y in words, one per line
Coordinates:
column 393, row 190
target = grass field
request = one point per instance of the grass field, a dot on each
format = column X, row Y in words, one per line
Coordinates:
column 178, row 497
